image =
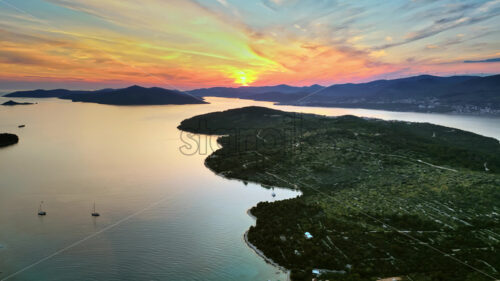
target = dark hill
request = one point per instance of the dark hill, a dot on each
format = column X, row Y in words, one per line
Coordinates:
column 224, row 121
column 135, row 95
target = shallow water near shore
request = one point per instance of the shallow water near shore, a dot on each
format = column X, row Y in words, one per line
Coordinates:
column 164, row 215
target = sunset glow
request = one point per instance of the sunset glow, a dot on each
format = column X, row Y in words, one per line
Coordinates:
column 192, row 44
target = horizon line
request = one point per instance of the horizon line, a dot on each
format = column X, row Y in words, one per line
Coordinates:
column 249, row 86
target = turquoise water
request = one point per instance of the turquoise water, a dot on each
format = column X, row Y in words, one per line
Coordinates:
column 164, row 215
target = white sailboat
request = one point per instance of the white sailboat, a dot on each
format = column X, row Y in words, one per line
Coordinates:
column 94, row 213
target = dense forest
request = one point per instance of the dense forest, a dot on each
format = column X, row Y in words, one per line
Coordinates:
column 380, row 198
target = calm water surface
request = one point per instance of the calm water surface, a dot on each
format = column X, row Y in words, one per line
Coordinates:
column 165, row 216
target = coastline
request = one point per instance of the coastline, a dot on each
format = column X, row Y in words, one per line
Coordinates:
column 245, row 236
column 249, row 213
column 496, row 113
column 261, row 254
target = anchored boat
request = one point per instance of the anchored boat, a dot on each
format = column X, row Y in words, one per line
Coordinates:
column 94, row 213
column 41, row 212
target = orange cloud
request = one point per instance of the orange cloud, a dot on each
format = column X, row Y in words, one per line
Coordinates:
column 180, row 43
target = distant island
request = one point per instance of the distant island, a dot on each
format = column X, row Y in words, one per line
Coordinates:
column 8, row 139
column 380, row 198
column 13, row 103
column 44, row 93
column 134, row 95
column 424, row 93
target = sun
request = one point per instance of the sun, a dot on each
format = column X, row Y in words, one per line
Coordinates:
column 242, row 80
column 244, row 77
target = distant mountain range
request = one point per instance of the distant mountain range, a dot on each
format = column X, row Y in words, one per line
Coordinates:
column 424, row 93
column 134, row 95
column 279, row 93
column 252, row 91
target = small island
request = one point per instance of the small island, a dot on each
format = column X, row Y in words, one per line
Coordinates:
column 8, row 139
column 380, row 199
column 14, row 103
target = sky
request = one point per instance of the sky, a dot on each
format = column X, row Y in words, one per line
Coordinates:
column 186, row 44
